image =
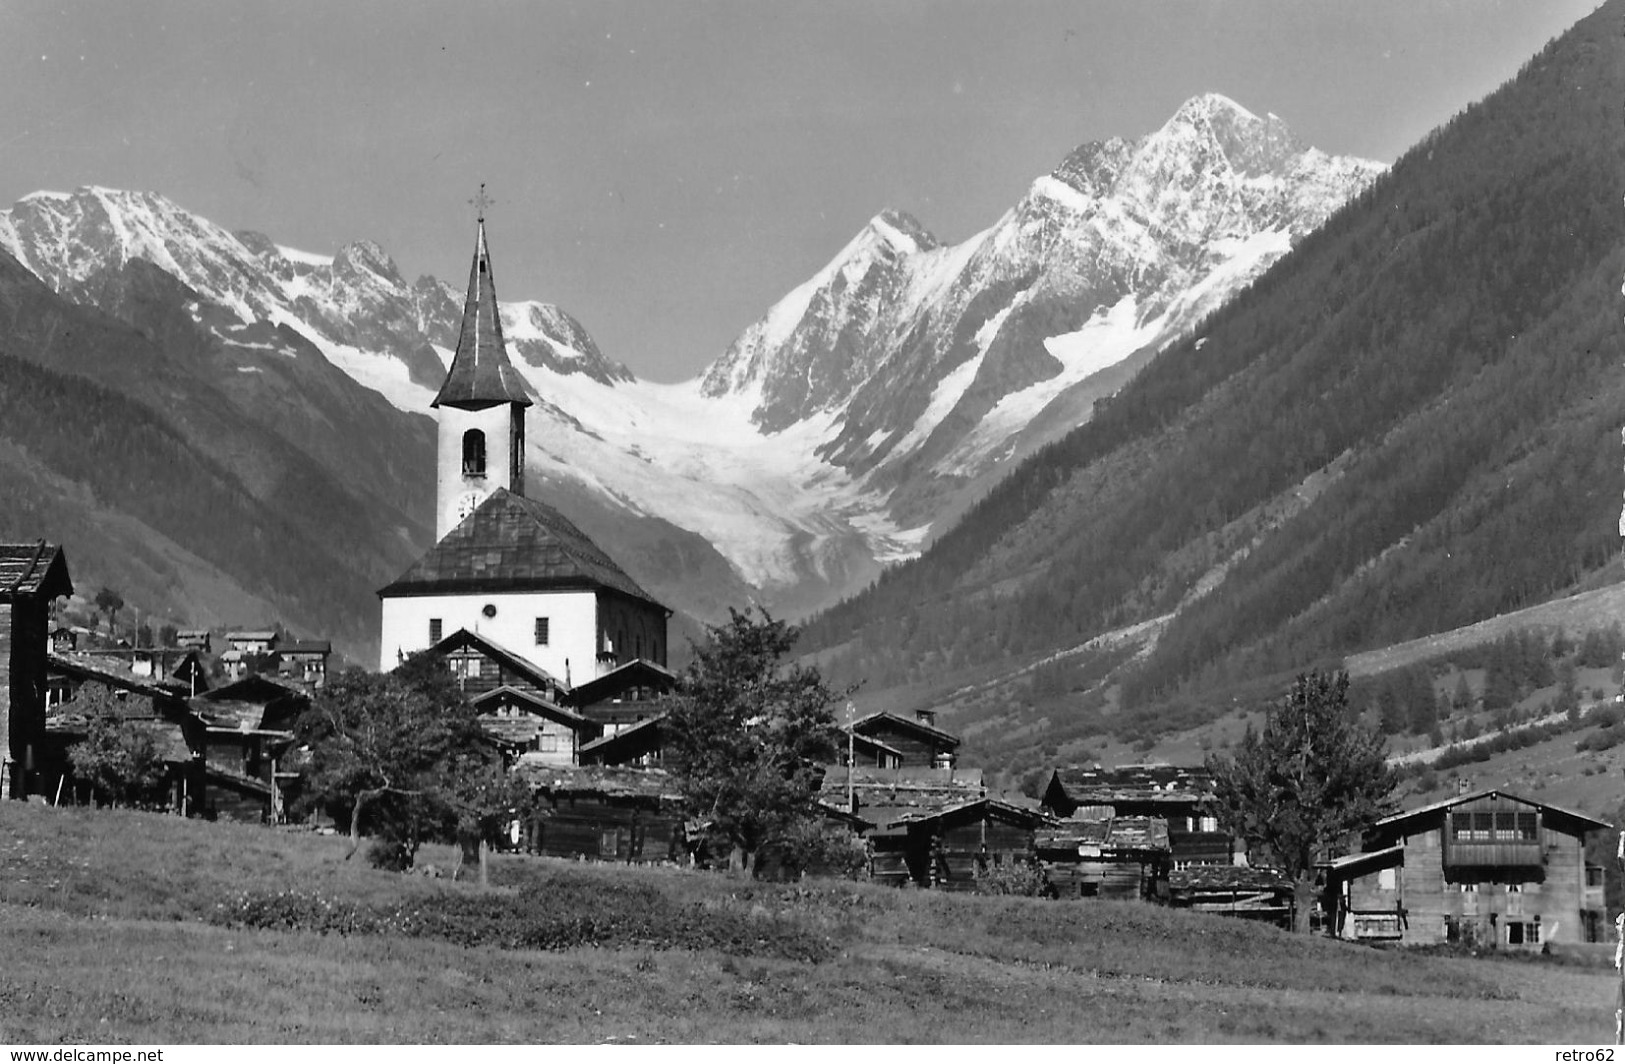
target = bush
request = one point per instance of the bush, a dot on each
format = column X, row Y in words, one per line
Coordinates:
column 820, row 849
column 1026, row 880
column 392, row 855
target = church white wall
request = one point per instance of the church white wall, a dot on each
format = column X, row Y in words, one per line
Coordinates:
column 451, row 486
column 572, row 623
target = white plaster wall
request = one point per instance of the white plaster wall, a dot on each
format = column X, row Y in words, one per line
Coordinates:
column 572, row 617
column 450, row 484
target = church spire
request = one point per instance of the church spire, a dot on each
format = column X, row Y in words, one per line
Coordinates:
column 480, row 371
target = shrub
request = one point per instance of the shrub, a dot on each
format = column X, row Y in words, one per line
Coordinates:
column 1027, row 880
column 817, row 848
column 392, row 855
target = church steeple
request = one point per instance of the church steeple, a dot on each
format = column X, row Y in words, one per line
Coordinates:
column 481, row 405
column 480, row 371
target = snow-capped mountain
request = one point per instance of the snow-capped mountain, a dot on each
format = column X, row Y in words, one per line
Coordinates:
column 892, row 384
column 941, row 362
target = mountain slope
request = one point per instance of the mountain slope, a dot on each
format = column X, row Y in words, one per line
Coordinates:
column 1409, row 423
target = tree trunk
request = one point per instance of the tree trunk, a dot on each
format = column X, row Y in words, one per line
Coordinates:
column 361, row 801
column 485, row 876
column 1303, row 901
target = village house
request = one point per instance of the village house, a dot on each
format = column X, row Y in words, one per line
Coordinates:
column 303, row 660
column 32, row 576
column 1488, row 868
column 1183, row 797
column 895, row 741
column 602, row 813
column 931, row 827
column 1127, row 858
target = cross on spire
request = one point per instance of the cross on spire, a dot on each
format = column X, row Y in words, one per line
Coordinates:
column 480, row 202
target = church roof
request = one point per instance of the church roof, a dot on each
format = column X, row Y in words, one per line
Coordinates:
column 511, row 543
column 480, row 371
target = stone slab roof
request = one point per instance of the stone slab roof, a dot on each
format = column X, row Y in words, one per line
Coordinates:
column 511, row 543
column 30, row 569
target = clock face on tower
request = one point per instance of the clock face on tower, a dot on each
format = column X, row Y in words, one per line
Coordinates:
column 466, row 504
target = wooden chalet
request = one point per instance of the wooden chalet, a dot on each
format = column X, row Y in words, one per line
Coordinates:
column 1181, row 796
column 64, row 641
column 530, row 725
column 1489, row 869
column 602, row 813
column 1262, row 894
column 246, row 736
column 480, row 664
column 932, row 827
column 194, row 639
column 252, row 641
column 32, row 576
column 303, row 660
column 1126, row 858
column 640, row 745
column 624, row 696
column 903, row 743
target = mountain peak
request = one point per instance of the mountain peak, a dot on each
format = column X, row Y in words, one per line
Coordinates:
column 902, row 232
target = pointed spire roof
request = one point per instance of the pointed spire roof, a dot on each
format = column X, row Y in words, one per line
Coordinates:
column 480, row 371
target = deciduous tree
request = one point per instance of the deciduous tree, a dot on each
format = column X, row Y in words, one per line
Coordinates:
column 119, row 759
column 401, row 750
column 1300, row 788
column 749, row 734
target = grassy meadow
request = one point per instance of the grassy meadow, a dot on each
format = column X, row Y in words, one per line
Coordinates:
column 132, row 927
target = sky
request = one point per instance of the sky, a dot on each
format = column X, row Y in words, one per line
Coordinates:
column 665, row 170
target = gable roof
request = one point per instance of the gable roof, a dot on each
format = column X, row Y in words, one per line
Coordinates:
column 611, row 781
column 480, row 372
column 1105, row 834
column 645, row 734
column 867, row 724
column 511, row 543
column 532, row 702
column 1082, row 785
column 30, row 569
column 463, row 639
column 996, row 807
column 1573, row 821
column 635, row 673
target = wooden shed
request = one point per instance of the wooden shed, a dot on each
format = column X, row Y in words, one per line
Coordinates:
column 945, row 848
column 602, row 813
column 1247, row 893
column 31, row 576
column 1180, row 795
column 1113, row 857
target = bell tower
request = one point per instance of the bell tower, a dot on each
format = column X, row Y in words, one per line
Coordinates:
column 481, row 405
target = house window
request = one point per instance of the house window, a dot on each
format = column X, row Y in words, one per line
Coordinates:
column 548, row 742
column 435, row 626
column 473, row 453
column 541, row 631
column 1385, row 879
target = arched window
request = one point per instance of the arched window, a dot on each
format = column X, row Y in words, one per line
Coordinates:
column 473, row 453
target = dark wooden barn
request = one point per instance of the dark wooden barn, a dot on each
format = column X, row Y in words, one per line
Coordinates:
column 916, row 743
column 32, row 575
column 623, row 696
column 1183, row 797
column 602, row 813
column 1262, row 894
column 947, row 847
column 1126, row 858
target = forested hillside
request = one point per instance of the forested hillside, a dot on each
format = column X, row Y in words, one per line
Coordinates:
column 1411, row 422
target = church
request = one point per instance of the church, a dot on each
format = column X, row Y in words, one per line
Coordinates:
column 510, row 579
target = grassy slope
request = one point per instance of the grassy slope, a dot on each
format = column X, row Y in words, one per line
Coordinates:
column 103, row 915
